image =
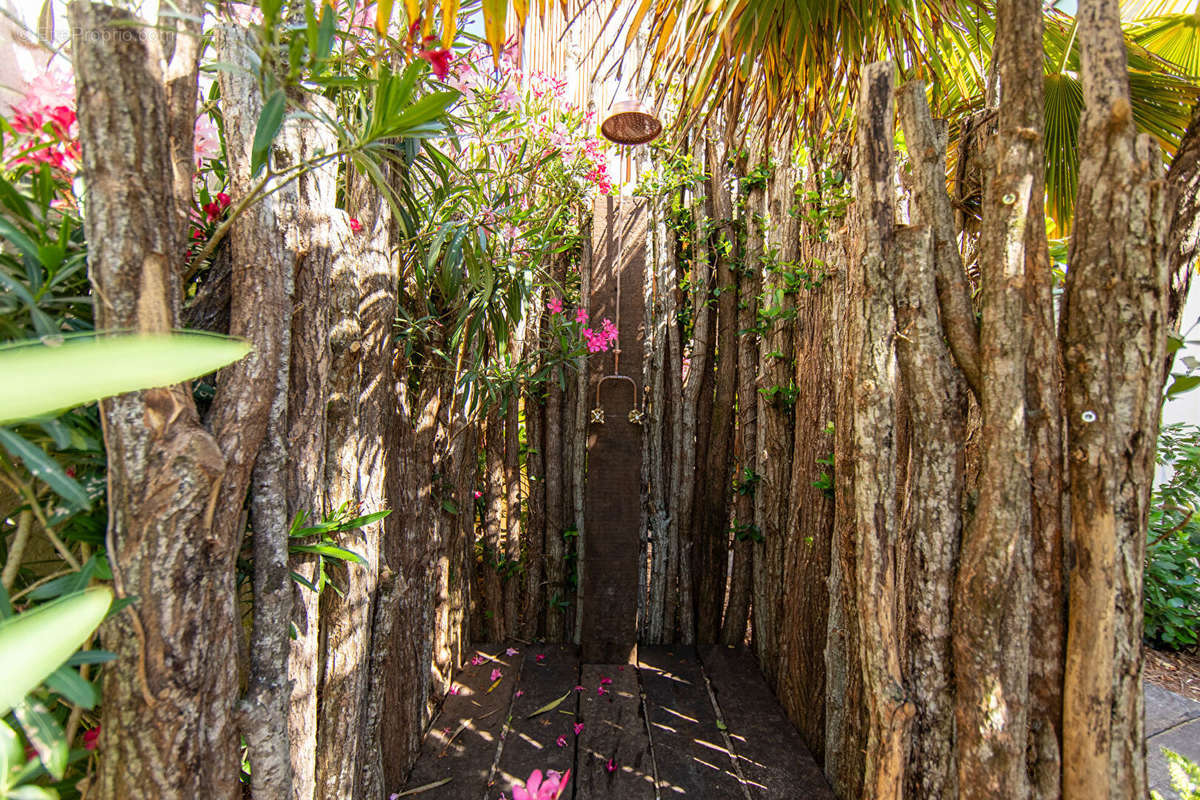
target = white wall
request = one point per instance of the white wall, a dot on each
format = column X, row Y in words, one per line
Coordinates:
column 1186, row 407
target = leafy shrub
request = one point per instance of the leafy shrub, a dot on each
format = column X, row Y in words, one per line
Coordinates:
column 1172, row 575
column 1185, row 776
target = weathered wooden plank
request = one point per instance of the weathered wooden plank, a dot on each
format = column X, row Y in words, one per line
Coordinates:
column 531, row 744
column 461, row 744
column 690, row 752
column 769, row 750
column 614, row 760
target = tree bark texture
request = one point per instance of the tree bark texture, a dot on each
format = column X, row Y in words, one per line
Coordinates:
column 712, row 539
column 700, row 283
column 535, row 460
column 322, row 413
column 362, row 462
column 659, row 456
column 775, row 383
column 871, row 330
column 558, row 501
column 937, row 407
column 493, row 542
column 737, row 607
column 1113, row 328
column 804, row 618
column 176, row 491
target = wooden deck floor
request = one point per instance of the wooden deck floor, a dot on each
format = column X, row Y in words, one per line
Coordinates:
column 680, row 724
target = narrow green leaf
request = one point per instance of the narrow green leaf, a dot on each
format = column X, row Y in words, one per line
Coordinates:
column 11, row 233
column 46, row 735
column 31, row 792
column 1183, row 383
column 35, row 643
column 40, row 378
column 73, row 687
column 268, row 127
column 45, row 469
column 329, row 551
column 325, row 31
column 90, row 657
column 360, row 522
column 421, row 789
column 553, row 704
column 11, row 753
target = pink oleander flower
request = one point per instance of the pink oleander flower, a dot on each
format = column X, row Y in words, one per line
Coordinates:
column 439, row 61
column 541, row 657
column 611, row 765
column 600, row 691
column 478, row 494
column 223, row 199
column 605, row 681
column 212, row 210
column 453, row 689
column 497, row 674
column 512, row 651
column 580, row 688
column 355, row 225
column 537, row 788
column 510, row 232
column 554, row 305
column 581, row 315
column 609, row 331
column 476, row 660
column 561, row 741
column 578, row 728
column 206, row 141
column 520, row 692
column 91, row 738
column 597, row 341
column 508, row 99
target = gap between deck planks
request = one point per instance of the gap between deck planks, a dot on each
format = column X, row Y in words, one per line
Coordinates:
column 677, row 726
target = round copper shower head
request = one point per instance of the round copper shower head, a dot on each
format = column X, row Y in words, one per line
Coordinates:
column 628, row 123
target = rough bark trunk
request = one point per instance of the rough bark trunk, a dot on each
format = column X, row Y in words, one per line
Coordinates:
column 700, row 282
column 992, row 632
column 176, row 492
column 872, row 329
column 845, row 709
column 804, row 618
column 557, row 500
column 321, row 416
column 937, row 408
column 577, row 436
column 411, row 546
column 364, row 461
column 493, row 548
column 714, row 505
column 659, row 456
column 737, row 607
column 535, row 459
column 774, row 446
column 1114, row 324
column 512, row 517
column 281, row 461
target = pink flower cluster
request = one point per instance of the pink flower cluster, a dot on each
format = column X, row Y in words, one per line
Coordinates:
column 551, row 787
column 598, row 341
column 44, row 119
column 547, row 86
column 554, row 125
